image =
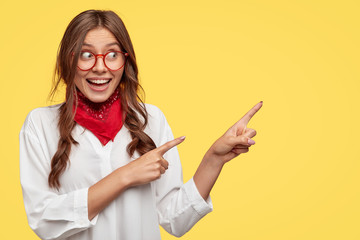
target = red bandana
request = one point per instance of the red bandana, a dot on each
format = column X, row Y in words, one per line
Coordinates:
column 104, row 120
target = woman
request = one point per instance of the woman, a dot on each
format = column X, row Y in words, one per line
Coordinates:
column 103, row 165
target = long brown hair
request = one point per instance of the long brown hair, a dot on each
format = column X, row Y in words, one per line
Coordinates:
column 131, row 102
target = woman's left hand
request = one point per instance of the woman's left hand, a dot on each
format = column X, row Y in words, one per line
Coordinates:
column 236, row 140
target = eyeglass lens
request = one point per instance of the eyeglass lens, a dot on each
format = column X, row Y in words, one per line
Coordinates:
column 113, row 60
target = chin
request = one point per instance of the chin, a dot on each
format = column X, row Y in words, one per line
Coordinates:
column 98, row 99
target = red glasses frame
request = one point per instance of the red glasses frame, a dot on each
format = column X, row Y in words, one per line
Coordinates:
column 103, row 58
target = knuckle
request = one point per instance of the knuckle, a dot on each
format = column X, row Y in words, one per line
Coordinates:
column 157, row 174
column 157, row 151
column 244, row 140
column 157, row 165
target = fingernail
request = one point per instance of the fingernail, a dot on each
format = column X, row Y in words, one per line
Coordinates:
column 182, row 138
column 251, row 142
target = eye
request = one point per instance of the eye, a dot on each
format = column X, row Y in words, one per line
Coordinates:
column 112, row 55
column 86, row 55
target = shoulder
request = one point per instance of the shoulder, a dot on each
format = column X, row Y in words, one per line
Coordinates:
column 157, row 127
column 154, row 112
column 155, row 115
column 40, row 118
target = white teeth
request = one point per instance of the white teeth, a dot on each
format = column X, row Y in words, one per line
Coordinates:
column 99, row 81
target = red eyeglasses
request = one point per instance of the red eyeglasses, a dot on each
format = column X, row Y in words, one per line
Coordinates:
column 113, row 60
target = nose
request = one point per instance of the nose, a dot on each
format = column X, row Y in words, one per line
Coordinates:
column 99, row 65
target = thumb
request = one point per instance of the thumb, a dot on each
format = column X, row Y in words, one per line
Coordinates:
column 242, row 140
column 249, row 132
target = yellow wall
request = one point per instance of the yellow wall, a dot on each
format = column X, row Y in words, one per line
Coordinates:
column 204, row 64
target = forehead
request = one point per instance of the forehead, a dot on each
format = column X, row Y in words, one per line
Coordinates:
column 99, row 37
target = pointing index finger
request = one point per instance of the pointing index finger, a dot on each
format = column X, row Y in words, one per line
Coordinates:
column 167, row 146
column 246, row 118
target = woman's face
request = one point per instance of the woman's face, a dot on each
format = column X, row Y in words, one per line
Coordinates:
column 98, row 83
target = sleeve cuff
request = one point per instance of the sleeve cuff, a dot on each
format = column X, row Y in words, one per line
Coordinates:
column 81, row 209
column 201, row 206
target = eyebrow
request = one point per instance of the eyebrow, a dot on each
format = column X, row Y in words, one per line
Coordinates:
column 107, row 45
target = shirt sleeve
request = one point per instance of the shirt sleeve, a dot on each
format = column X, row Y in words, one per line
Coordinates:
column 51, row 215
column 179, row 206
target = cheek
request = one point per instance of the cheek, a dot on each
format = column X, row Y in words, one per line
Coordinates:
column 118, row 76
column 79, row 79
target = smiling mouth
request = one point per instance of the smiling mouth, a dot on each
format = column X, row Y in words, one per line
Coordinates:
column 98, row 82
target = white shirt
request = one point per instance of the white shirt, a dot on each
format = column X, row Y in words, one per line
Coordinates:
column 134, row 214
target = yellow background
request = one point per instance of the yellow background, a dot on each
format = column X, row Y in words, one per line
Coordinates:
column 204, row 64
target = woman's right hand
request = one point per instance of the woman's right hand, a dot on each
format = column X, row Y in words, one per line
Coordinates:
column 145, row 169
column 149, row 166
